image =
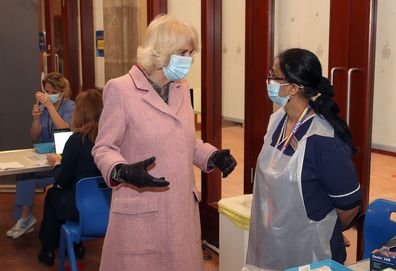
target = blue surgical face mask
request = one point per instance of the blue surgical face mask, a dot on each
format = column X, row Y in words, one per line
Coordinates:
column 54, row 98
column 178, row 67
column 273, row 88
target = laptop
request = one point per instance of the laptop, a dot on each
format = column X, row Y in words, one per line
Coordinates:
column 60, row 138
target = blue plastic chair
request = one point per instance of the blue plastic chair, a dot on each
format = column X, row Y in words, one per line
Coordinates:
column 93, row 199
column 378, row 227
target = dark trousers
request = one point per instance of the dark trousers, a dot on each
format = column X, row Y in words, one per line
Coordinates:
column 59, row 206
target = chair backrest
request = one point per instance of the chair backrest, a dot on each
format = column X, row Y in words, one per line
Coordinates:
column 93, row 199
column 378, row 226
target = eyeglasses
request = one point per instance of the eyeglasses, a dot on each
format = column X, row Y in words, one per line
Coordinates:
column 272, row 76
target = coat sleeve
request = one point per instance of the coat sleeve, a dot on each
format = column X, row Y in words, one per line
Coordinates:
column 202, row 153
column 112, row 126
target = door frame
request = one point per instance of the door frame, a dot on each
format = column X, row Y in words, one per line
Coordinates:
column 211, row 102
column 258, row 55
column 87, row 44
column 156, row 7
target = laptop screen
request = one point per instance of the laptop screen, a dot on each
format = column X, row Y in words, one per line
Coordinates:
column 60, row 138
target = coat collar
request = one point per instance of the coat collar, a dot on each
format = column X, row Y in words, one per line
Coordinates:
column 152, row 97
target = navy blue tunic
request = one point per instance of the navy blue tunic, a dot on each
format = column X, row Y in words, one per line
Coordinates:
column 328, row 179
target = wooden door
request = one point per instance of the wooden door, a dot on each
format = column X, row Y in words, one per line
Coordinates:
column 354, row 80
column 62, row 41
column 65, row 43
column 259, row 51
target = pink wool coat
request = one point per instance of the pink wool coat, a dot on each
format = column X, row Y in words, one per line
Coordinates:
column 151, row 229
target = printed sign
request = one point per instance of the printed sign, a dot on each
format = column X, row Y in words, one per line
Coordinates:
column 42, row 42
column 99, row 43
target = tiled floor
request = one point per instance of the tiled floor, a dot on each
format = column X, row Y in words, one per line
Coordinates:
column 21, row 254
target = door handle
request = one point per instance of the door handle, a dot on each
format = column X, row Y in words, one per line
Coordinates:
column 332, row 71
column 56, row 62
column 348, row 105
column 45, row 62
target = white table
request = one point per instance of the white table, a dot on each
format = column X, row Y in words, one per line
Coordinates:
column 363, row 265
column 28, row 159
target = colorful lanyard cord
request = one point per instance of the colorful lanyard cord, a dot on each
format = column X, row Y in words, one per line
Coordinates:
column 297, row 125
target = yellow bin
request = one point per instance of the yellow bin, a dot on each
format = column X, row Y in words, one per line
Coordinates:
column 234, row 231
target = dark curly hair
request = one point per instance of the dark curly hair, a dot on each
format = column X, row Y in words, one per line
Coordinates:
column 303, row 68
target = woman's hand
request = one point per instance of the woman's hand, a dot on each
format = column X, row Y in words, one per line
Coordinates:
column 35, row 129
column 36, row 112
column 224, row 161
column 53, row 159
column 43, row 98
column 137, row 174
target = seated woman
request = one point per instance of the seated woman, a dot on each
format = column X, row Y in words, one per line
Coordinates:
column 53, row 110
column 77, row 163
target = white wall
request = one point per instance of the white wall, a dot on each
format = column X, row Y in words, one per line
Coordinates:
column 233, row 53
column 305, row 24
column 190, row 11
column 98, row 25
column 384, row 128
column 233, row 77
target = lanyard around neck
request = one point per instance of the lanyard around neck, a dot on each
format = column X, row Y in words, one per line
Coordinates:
column 297, row 125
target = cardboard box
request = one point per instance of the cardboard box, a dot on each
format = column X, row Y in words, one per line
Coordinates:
column 383, row 258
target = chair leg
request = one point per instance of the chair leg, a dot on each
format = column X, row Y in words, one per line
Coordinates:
column 70, row 253
column 62, row 251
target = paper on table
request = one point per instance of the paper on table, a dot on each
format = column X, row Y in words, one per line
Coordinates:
column 38, row 159
column 10, row 165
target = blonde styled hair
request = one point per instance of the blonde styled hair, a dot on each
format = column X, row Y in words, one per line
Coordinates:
column 58, row 82
column 164, row 36
column 85, row 120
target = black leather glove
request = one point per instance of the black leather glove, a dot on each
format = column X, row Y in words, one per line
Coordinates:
column 137, row 174
column 224, row 161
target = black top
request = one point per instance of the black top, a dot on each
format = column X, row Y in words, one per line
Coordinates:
column 77, row 162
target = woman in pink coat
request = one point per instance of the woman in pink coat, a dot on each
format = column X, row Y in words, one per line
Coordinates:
column 146, row 130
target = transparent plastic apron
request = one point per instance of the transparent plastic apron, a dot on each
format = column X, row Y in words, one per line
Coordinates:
column 281, row 235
